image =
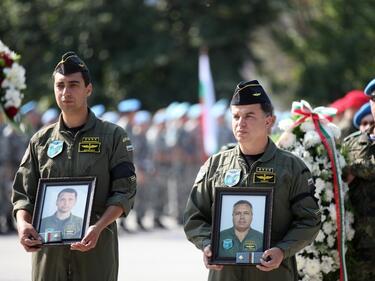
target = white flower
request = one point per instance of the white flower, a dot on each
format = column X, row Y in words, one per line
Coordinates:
column 307, row 126
column 327, row 227
column 319, row 185
column 301, row 261
column 326, row 264
column 320, row 237
column 312, row 267
column 332, row 212
column 285, row 124
column 14, row 77
column 287, row 140
column 328, row 194
column 330, row 241
column 12, row 98
column 311, row 139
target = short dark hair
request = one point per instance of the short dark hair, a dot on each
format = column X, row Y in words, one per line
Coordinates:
column 243, row 202
column 267, row 108
column 68, row 190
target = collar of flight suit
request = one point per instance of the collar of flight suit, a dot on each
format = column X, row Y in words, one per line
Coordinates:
column 267, row 155
column 89, row 124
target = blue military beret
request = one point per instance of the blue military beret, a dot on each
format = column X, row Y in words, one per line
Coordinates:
column 111, row 116
column 28, row 107
column 50, row 115
column 98, row 109
column 362, row 112
column 142, row 117
column 129, row 105
column 370, row 88
column 249, row 92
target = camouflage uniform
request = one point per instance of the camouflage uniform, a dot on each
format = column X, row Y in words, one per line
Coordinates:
column 99, row 149
column 361, row 163
column 296, row 215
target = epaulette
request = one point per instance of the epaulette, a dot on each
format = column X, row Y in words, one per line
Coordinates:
column 228, row 146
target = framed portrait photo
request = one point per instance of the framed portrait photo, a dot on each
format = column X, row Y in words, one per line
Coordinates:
column 63, row 209
column 241, row 229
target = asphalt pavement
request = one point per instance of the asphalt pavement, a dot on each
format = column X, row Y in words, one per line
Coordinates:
column 156, row 255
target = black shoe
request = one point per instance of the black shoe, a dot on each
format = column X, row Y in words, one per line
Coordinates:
column 141, row 226
column 158, row 224
column 124, row 227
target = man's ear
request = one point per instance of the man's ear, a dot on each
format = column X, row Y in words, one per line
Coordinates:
column 270, row 121
column 89, row 89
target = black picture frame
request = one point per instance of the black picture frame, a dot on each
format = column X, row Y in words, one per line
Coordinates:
column 55, row 197
column 226, row 245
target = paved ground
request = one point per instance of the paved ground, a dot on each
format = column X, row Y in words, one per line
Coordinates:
column 158, row 255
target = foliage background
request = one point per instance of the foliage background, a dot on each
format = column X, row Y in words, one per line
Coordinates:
column 312, row 49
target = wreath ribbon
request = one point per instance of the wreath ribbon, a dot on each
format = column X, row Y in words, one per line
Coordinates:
column 320, row 116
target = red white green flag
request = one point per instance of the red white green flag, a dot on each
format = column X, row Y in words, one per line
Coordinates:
column 207, row 100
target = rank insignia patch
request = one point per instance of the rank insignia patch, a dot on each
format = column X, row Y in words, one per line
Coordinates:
column 250, row 245
column 89, row 145
column 55, row 148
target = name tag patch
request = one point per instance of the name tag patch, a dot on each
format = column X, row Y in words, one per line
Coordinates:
column 89, row 145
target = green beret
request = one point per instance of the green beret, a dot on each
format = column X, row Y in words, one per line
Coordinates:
column 71, row 63
column 249, row 92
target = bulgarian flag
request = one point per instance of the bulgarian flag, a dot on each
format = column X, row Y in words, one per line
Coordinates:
column 207, row 100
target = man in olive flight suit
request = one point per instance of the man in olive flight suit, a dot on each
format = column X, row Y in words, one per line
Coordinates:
column 62, row 224
column 77, row 145
column 360, row 175
column 256, row 162
column 241, row 237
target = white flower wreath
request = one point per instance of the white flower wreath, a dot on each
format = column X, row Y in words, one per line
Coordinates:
column 320, row 260
column 12, row 81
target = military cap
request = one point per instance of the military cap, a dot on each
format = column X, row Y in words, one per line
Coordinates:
column 29, row 107
column 362, row 112
column 249, row 92
column 129, row 105
column 142, row 117
column 98, row 109
column 370, row 88
column 71, row 63
column 50, row 115
column 111, row 116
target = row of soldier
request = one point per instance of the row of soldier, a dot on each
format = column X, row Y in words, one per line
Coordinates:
column 168, row 149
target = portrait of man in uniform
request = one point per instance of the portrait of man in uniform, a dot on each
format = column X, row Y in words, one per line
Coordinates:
column 62, row 224
column 241, row 236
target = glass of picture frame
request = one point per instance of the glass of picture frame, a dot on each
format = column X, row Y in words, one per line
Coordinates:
column 241, row 229
column 63, row 209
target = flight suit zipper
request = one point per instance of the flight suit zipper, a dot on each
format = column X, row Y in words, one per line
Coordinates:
column 246, row 179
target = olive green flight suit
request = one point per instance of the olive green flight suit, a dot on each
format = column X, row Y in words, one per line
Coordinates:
column 229, row 243
column 295, row 218
column 361, row 163
column 69, row 228
column 99, row 149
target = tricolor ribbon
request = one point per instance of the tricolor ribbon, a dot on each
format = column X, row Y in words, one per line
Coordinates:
column 321, row 116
